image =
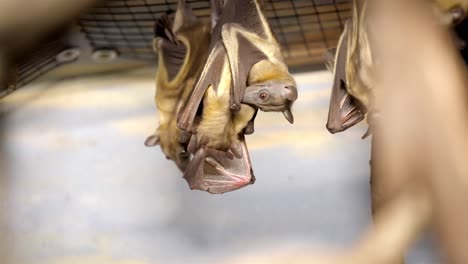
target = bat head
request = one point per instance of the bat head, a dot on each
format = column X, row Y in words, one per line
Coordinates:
column 218, row 172
column 173, row 144
column 348, row 110
column 272, row 95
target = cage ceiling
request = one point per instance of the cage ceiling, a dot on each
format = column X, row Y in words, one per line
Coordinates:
column 304, row 28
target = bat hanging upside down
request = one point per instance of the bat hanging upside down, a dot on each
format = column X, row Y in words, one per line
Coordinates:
column 352, row 64
column 244, row 72
column 181, row 41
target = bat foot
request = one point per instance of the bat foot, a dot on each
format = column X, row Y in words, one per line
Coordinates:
column 249, row 129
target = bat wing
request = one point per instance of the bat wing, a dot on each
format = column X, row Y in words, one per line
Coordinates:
column 172, row 51
column 218, row 172
column 246, row 35
column 345, row 111
column 210, row 75
column 329, row 58
column 166, row 29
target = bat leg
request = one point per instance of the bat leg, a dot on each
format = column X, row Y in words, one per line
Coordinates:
column 250, row 129
column 345, row 111
column 244, row 49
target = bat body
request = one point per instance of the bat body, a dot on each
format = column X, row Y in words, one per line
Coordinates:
column 181, row 43
column 244, row 72
column 352, row 65
column 259, row 76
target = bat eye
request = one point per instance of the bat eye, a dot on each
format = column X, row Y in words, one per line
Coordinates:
column 263, row 96
column 167, row 157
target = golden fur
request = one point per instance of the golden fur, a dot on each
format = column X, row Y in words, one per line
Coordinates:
column 266, row 70
column 170, row 94
column 219, row 126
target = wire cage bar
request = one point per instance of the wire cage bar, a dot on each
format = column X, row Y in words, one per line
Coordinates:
column 305, row 28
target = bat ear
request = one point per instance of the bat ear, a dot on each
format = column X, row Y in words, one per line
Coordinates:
column 152, row 141
column 329, row 57
column 288, row 115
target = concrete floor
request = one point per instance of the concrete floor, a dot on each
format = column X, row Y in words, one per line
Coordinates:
column 78, row 186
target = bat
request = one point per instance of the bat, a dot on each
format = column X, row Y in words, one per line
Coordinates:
column 350, row 67
column 244, row 72
column 260, row 78
column 181, row 40
column 344, row 110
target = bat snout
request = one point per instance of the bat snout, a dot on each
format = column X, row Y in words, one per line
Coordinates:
column 290, row 93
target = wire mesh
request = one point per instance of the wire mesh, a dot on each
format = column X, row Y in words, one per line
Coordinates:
column 42, row 60
column 305, row 28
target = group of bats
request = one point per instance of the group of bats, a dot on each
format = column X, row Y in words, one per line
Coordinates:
column 212, row 79
column 408, row 187
column 214, row 76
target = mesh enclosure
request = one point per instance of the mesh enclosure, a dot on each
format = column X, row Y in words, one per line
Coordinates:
column 37, row 63
column 305, row 28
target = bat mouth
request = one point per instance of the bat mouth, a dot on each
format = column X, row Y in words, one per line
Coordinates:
column 221, row 174
column 272, row 107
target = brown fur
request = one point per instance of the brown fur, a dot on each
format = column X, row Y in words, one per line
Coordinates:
column 170, row 94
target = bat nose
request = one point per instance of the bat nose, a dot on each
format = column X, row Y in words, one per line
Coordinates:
column 291, row 92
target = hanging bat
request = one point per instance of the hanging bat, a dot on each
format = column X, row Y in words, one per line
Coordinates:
column 351, row 66
column 244, row 72
column 181, row 40
column 260, row 77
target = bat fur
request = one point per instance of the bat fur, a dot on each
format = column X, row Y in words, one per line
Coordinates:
column 173, row 86
column 357, row 68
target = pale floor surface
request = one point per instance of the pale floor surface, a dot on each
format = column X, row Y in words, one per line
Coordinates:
column 78, row 186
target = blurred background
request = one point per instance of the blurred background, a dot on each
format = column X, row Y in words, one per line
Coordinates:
column 77, row 184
